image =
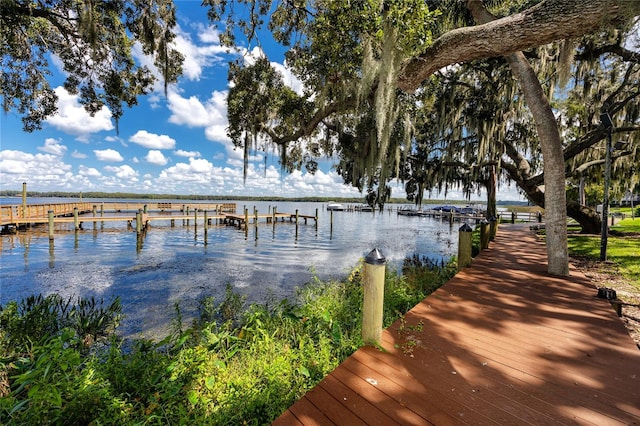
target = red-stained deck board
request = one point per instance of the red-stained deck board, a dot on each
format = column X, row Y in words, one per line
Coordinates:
column 502, row 342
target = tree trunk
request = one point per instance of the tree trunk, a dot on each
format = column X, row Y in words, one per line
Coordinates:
column 555, row 198
column 588, row 218
column 491, row 184
column 547, row 128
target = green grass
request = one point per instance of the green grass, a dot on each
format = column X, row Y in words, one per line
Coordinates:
column 623, row 248
column 628, row 225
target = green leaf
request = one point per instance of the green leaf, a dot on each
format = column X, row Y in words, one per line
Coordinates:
column 209, row 382
column 193, row 397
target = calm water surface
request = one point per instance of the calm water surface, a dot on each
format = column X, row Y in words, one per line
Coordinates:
column 179, row 265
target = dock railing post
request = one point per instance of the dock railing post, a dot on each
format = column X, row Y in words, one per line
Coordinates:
column 373, row 303
column 464, row 246
column 50, row 224
column 484, row 234
column 24, row 200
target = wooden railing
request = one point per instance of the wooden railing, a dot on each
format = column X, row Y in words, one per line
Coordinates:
column 17, row 214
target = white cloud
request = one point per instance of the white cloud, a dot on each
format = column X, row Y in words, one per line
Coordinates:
column 194, row 113
column 40, row 171
column 200, row 165
column 198, row 171
column 153, row 141
column 208, row 34
column 156, row 157
column 72, row 118
column 198, row 56
column 190, row 112
column 53, row 147
column 123, row 172
column 108, row 155
column 89, row 172
column 182, row 153
column 76, row 154
column 212, row 115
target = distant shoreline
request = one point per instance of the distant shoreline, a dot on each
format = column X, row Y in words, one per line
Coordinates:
column 194, row 197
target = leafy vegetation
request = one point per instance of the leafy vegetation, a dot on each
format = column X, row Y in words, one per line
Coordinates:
column 231, row 366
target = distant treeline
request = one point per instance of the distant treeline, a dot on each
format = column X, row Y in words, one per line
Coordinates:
column 194, row 197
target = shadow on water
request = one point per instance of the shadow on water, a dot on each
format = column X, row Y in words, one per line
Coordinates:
column 183, row 263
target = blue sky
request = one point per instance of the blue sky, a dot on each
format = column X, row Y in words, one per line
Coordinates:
column 171, row 144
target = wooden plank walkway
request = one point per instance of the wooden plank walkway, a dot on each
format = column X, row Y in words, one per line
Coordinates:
column 502, row 343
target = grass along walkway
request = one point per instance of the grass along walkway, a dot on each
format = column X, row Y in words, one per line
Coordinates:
column 620, row 272
column 623, row 249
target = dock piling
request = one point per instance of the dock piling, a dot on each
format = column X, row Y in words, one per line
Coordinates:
column 484, row 234
column 373, row 303
column 76, row 220
column 331, row 224
column 464, row 246
column 138, row 221
column 50, row 224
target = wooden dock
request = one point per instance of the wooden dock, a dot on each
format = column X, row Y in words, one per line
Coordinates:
column 502, row 343
column 22, row 214
column 140, row 214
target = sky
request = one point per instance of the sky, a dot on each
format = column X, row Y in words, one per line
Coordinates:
column 167, row 144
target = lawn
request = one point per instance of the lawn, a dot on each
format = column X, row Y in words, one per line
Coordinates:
column 623, row 248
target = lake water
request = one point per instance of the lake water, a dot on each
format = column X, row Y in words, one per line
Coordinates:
column 177, row 264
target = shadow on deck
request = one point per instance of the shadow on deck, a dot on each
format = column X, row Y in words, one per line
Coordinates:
column 503, row 342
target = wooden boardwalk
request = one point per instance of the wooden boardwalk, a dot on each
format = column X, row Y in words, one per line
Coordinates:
column 502, row 343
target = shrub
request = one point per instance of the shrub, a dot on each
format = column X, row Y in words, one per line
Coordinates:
column 230, row 367
column 37, row 317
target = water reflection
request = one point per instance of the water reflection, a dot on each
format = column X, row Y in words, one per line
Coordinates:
column 167, row 264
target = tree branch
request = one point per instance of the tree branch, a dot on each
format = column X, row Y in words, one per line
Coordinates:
column 307, row 129
column 543, row 23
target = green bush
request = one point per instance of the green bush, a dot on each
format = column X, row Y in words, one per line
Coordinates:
column 230, row 367
column 36, row 317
